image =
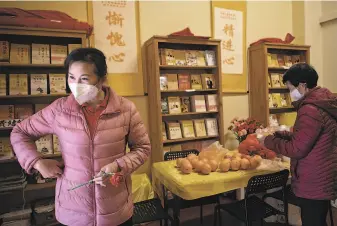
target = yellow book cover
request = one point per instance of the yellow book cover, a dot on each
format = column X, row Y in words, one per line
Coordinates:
column 18, row 84
column 6, row 149
column 174, row 130
column 274, row 61
column 284, row 101
column 19, row 54
column 172, row 81
column 201, row 60
column 174, row 105
column 169, row 57
column 3, row 85
column 163, row 130
column 4, row 51
column 269, row 81
column 281, row 81
column 180, row 58
column 200, row 127
column 270, row 63
column 275, row 80
column 40, row 54
column 57, row 83
column 191, row 57
column 188, row 128
column 185, row 104
column 58, row 54
column 270, row 101
column 196, row 82
column 277, row 100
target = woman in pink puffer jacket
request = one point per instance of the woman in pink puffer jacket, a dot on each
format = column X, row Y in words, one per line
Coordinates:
column 93, row 125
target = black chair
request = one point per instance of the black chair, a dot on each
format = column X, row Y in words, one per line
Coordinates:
column 148, row 211
column 253, row 208
column 188, row 203
column 292, row 199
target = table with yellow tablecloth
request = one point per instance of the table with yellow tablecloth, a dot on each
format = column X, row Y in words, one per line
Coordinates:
column 194, row 185
column 141, row 187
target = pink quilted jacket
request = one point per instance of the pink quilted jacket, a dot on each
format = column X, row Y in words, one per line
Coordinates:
column 84, row 156
column 312, row 146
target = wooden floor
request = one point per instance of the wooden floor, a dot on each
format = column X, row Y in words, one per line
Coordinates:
column 190, row 217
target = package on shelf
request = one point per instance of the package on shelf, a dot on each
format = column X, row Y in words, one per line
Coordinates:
column 18, row 84
column 6, row 150
column 19, row 54
column 4, row 51
column 38, row 84
column 9, row 123
column 56, row 144
column 45, row 144
column 40, row 54
column 3, row 85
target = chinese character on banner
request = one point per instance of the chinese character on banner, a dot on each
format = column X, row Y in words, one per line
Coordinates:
column 116, row 34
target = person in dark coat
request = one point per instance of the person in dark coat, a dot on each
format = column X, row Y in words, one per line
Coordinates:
column 312, row 146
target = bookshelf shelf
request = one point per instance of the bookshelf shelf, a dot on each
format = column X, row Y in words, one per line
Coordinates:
column 4, row 64
column 262, row 61
column 190, row 113
column 156, row 52
column 189, row 139
column 173, row 67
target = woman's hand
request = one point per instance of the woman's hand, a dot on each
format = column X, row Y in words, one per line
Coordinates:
column 49, row 168
column 101, row 178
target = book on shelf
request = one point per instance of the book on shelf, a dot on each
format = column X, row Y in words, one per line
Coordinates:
column 285, row 100
column 167, row 57
column 56, row 145
column 4, row 51
column 38, row 84
column 6, row 149
column 212, row 126
column 208, row 81
column 172, row 81
column 210, row 57
column 19, row 54
column 184, row 82
column 7, row 112
column 40, row 54
column 276, row 98
column 174, row 105
column 163, row 130
column 174, row 130
column 3, row 84
column 198, row 103
column 23, row 111
column 275, row 80
column 163, row 82
column 191, row 58
column 211, row 102
column 200, row 127
column 72, row 47
column 45, row 144
column 196, row 82
column 201, row 60
column 270, row 101
column 185, row 104
column 58, row 54
column 164, row 106
column 18, row 84
column 180, row 58
column 296, row 59
column 280, row 60
column 269, row 81
column 274, row 62
column 57, row 83
column 288, row 61
column 281, row 81
column 187, row 128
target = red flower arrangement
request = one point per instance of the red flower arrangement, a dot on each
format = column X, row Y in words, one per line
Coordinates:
column 242, row 127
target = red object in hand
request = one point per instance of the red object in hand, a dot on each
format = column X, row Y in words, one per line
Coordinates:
column 116, row 179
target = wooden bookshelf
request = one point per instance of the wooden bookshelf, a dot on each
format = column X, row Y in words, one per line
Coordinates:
column 154, row 68
column 28, row 36
column 260, row 69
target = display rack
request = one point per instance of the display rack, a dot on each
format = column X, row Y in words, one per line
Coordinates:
column 27, row 36
column 155, row 69
column 271, row 59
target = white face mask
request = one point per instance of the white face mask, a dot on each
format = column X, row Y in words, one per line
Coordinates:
column 295, row 95
column 83, row 92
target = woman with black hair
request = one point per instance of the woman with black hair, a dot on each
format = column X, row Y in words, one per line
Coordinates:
column 312, row 146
